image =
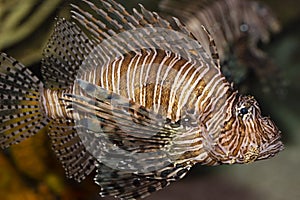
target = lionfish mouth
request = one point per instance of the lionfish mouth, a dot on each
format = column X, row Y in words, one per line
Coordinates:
column 274, row 147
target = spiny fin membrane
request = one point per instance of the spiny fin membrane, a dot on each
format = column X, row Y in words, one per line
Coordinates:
column 115, row 32
column 116, row 108
column 126, row 185
column 20, row 111
column 64, row 54
column 225, row 28
column 212, row 48
column 113, row 18
column 77, row 162
column 111, row 126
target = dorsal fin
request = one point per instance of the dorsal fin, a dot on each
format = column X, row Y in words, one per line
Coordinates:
column 64, row 54
column 113, row 19
column 116, row 32
column 213, row 48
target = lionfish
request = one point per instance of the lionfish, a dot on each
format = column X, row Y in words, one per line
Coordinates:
column 237, row 27
column 133, row 97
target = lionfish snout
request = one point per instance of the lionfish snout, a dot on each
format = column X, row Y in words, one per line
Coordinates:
column 260, row 152
column 272, row 143
column 271, row 148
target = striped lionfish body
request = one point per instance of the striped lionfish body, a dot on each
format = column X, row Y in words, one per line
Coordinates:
column 236, row 26
column 134, row 97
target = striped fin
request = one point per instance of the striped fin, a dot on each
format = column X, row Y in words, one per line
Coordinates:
column 114, row 27
column 100, row 98
column 228, row 21
column 126, row 185
column 77, row 162
column 237, row 27
column 213, row 48
column 106, row 118
column 115, row 19
column 20, row 114
column 64, row 54
column 187, row 9
column 104, row 101
column 214, row 15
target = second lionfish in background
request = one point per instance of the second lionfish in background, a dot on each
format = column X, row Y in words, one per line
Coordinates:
column 134, row 97
column 237, row 27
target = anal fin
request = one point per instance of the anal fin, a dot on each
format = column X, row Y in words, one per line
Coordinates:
column 126, row 185
column 77, row 162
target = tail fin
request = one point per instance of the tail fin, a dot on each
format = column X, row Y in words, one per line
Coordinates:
column 20, row 109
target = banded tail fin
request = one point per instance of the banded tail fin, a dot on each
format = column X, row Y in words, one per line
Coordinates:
column 20, row 109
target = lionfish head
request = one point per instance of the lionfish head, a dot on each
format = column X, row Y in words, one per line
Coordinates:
column 248, row 136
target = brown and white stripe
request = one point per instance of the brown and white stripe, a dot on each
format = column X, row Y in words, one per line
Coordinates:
column 226, row 20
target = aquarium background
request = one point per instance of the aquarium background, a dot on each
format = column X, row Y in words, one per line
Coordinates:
column 30, row 170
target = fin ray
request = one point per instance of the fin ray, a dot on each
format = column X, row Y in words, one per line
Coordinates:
column 20, row 112
column 126, row 185
column 64, row 54
column 77, row 162
column 106, row 118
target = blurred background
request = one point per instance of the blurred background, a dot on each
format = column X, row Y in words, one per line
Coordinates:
column 30, row 170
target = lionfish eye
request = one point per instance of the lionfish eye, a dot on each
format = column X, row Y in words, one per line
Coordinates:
column 244, row 111
column 244, row 27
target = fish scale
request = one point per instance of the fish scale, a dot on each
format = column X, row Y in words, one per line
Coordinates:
column 137, row 99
